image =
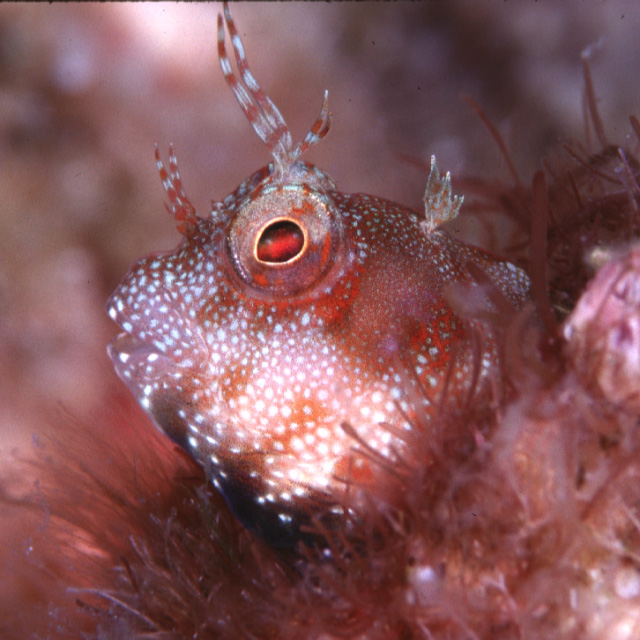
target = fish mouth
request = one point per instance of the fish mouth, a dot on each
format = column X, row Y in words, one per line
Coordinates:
column 139, row 364
column 126, row 346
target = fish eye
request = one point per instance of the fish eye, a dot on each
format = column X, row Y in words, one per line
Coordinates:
column 285, row 239
column 280, row 241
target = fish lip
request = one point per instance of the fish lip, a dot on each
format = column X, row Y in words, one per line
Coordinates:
column 124, row 346
column 130, row 324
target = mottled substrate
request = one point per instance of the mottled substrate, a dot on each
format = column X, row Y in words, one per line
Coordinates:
column 522, row 521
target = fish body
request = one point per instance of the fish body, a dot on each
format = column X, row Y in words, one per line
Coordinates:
column 287, row 320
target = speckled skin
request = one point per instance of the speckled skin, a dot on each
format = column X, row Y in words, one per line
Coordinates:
column 253, row 356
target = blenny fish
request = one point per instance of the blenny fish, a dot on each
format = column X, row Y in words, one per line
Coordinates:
column 274, row 343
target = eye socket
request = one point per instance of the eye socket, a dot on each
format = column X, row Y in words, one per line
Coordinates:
column 284, row 240
column 280, row 241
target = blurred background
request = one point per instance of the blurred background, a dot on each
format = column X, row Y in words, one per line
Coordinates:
column 87, row 90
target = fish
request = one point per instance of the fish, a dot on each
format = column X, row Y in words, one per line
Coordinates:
column 276, row 342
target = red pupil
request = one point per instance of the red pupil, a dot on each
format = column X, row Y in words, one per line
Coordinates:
column 280, row 242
